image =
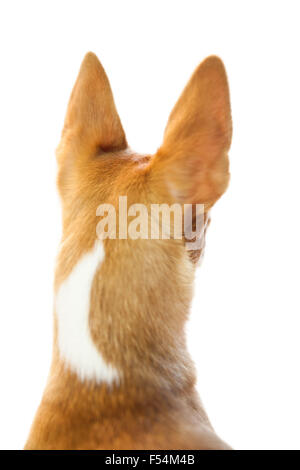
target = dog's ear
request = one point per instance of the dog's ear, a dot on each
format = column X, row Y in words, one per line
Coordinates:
column 192, row 161
column 92, row 123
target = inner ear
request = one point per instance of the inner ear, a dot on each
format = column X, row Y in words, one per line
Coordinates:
column 92, row 122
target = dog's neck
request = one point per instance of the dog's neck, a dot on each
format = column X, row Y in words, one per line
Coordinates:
column 119, row 320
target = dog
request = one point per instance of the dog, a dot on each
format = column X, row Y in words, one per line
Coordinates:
column 121, row 376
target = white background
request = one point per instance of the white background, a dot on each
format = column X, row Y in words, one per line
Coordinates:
column 244, row 328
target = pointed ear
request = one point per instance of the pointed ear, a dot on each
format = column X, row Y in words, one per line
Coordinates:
column 193, row 158
column 92, row 122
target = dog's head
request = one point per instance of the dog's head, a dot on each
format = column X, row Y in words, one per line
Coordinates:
column 96, row 165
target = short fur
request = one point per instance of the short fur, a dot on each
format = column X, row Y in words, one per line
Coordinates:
column 141, row 293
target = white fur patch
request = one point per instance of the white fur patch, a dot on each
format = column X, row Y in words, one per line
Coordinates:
column 72, row 308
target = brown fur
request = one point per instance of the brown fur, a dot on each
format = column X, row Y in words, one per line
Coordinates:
column 142, row 292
